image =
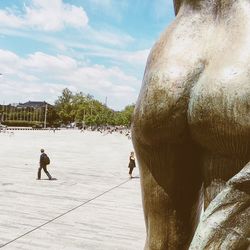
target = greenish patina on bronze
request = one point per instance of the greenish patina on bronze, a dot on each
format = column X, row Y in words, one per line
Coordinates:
column 191, row 128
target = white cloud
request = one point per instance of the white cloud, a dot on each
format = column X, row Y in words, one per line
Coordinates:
column 45, row 15
column 9, row 19
column 42, row 62
column 101, row 81
column 137, row 57
column 112, row 8
column 134, row 58
column 114, row 38
column 41, row 76
column 27, row 77
column 9, row 62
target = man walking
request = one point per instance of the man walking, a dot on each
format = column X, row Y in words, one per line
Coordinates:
column 44, row 161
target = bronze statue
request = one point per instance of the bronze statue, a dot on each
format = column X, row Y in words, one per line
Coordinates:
column 191, row 127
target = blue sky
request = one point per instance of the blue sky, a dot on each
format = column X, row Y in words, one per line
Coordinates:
column 98, row 47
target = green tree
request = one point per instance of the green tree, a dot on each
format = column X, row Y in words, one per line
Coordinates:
column 64, row 106
column 81, row 108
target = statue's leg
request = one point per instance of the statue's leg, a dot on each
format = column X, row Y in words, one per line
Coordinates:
column 217, row 170
column 171, row 188
column 226, row 222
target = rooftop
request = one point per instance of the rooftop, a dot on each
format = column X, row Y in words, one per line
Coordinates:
column 33, row 104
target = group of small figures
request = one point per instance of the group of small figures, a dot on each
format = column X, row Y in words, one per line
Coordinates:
column 45, row 160
column 109, row 130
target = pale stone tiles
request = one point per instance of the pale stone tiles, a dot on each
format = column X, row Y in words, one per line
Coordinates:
column 86, row 165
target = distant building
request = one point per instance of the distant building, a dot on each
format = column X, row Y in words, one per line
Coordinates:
column 32, row 104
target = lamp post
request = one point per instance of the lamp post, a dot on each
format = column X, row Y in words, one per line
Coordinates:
column 2, row 112
column 45, row 115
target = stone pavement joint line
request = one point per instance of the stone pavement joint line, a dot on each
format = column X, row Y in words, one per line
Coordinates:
column 61, row 215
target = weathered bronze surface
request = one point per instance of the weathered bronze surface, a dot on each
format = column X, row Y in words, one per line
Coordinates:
column 191, row 128
column 226, row 222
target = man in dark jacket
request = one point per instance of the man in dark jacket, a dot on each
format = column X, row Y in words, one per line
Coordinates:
column 43, row 165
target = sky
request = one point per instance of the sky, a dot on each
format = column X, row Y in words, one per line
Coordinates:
column 98, row 47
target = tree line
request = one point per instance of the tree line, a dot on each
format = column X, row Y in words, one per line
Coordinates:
column 69, row 108
column 84, row 109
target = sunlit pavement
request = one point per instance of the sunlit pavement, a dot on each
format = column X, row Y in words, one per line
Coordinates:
column 92, row 204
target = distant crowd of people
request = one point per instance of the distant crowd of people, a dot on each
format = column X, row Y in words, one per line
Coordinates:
column 105, row 130
column 5, row 131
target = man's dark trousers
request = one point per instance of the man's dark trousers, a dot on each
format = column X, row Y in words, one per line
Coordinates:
column 44, row 167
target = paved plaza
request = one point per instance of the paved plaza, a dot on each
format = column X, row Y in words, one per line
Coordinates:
column 92, row 204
